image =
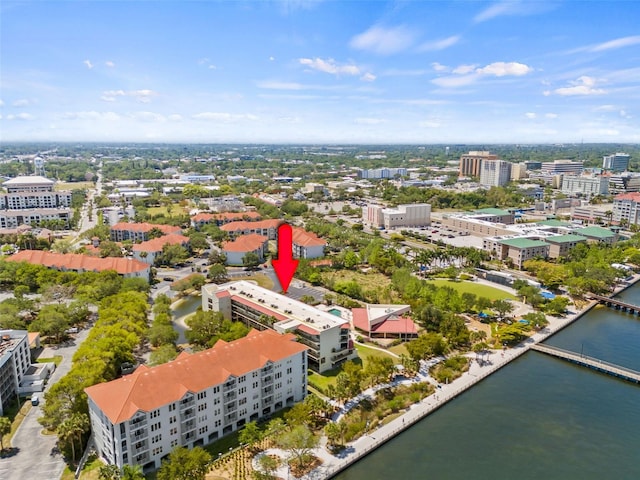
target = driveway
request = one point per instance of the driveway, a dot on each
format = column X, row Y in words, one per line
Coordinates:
column 36, row 455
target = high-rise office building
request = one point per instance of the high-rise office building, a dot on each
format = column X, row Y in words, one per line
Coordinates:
column 618, row 162
column 495, row 173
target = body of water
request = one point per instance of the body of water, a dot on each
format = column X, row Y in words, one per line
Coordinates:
column 539, row 417
column 186, row 306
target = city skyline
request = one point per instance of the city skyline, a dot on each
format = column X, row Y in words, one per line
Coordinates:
column 320, row 72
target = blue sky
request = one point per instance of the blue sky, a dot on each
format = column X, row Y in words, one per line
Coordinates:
column 320, row 71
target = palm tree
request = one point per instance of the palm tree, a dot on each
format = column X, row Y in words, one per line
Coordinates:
column 132, row 472
column 72, row 428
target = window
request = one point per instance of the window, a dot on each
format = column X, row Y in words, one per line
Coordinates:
column 255, row 385
column 172, row 420
column 174, row 443
column 242, row 390
column 218, row 423
column 173, row 431
column 256, row 406
column 155, row 414
column 289, row 370
column 279, row 385
column 216, row 389
column 202, row 407
column 242, row 379
column 278, row 375
column 202, row 395
column 242, row 401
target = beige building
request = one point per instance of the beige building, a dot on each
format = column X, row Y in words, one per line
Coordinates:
column 561, row 245
column 517, row 249
column 471, row 163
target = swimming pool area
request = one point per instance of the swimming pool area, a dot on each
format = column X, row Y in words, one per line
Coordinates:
column 335, row 311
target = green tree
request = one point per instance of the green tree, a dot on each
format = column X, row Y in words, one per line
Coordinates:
column 218, row 273
column 250, row 435
column 171, row 255
column 5, row 429
column 160, row 334
column 502, row 307
column 299, row 441
column 163, row 354
column 109, row 472
column 132, row 472
column 185, row 464
column 251, row 260
column 109, row 249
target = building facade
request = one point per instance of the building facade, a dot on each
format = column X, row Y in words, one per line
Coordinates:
column 30, row 200
column 15, row 360
column 626, row 207
column 567, row 167
column 495, row 173
column 326, row 335
column 307, row 244
column 471, row 163
column 139, row 232
column 236, row 250
column 411, row 215
column 585, row 186
column 195, row 399
column 379, row 173
column 617, row 162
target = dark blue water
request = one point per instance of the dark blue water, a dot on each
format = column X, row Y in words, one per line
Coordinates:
column 537, row 418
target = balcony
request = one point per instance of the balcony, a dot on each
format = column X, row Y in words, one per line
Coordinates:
column 186, row 438
column 140, row 434
column 140, row 447
column 229, row 386
column 267, row 370
column 340, row 356
column 267, row 401
column 267, row 391
column 230, row 396
column 188, row 426
column 268, row 380
column 230, row 407
column 138, row 423
column 186, row 403
column 228, row 419
column 187, row 414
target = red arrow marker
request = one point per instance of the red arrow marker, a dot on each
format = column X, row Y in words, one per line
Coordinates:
column 285, row 266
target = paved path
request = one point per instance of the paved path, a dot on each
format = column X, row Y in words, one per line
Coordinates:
column 495, row 360
column 37, row 455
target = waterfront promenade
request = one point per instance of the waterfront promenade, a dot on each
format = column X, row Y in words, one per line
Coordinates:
column 332, row 465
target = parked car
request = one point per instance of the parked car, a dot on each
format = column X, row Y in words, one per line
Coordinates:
column 35, row 400
column 71, row 330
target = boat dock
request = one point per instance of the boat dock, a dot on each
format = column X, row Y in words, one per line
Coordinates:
column 590, row 362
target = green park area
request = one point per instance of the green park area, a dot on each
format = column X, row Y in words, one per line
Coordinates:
column 478, row 289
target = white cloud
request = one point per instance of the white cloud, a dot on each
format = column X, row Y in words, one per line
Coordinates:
column 281, row 85
column 464, row 69
column 440, row 44
column 20, row 116
column 455, row 81
column 88, row 64
column 501, row 69
column 624, row 114
column 439, row 67
column 369, row 121
column 530, row 115
column 23, row 102
column 383, row 41
column 224, row 117
column 175, row 117
column 110, row 64
column 272, row 58
column 329, row 66
column 90, row 115
column 513, row 7
column 582, row 86
column 1, row 103
column 142, row 96
column 147, row 116
column 606, row 108
column 468, row 74
column 368, row 77
column 551, row 115
column 617, row 43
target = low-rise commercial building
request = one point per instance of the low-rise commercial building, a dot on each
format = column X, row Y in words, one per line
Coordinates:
column 516, row 249
column 411, row 215
column 384, row 321
column 195, row 399
column 326, row 335
column 561, row 245
column 586, row 186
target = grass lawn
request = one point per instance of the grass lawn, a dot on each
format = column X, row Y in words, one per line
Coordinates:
column 61, row 186
column 368, row 281
column 399, row 349
column 175, row 210
column 260, row 278
column 91, row 470
column 56, row 359
column 477, row 288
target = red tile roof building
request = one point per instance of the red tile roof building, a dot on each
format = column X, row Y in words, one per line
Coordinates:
column 268, row 228
column 197, row 221
column 83, row 263
column 197, row 398
column 307, row 244
column 235, row 250
column 139, row 232
column 148, row 251
column 384, row 321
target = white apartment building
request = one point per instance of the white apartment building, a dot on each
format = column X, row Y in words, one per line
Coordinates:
column 195, row 399
column 495, row 173
column 31, row 199
column 14, row 364
column 624, row 183
column 585, row 186
column 414, row 215
column 627, row 207
column 378, row 173
column 326, row 335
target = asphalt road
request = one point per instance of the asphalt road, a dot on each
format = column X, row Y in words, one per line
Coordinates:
column 36, row 455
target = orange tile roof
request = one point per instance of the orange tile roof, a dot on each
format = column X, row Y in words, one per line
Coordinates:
column 156, row 244
column 403, row 325
column 306, row 239
column 245, row 243
column 633, row 196
column 75, row 261
column 150, row 388
column 235, row 226
column 145, row 227
column 225, row 217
